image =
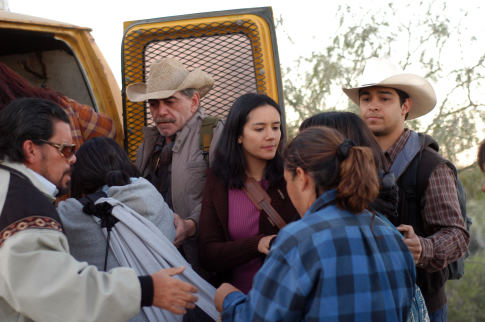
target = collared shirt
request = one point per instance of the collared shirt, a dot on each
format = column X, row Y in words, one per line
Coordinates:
column 49, row 186
column 331, row 265
column 448, row 238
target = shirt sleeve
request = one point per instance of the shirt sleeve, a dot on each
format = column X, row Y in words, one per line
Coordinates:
column 91, row 124
column 447, row 236
column 42, row 281
column 275, row 296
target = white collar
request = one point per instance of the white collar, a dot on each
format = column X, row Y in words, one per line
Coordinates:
column 50, row 188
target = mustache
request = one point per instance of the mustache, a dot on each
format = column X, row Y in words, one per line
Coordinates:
column 164, row 120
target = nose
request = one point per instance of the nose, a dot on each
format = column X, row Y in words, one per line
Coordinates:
column 72, row 159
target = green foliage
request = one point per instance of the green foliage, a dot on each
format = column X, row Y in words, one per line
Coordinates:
column 466, row 297
column 417, row 36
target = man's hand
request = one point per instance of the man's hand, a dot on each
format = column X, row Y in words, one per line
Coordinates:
column 172, row 294
column 412, row 241
column 221, row 294
column 183, row 229
column 263, row 245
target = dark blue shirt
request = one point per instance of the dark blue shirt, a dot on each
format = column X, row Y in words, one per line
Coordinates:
column 332, row 265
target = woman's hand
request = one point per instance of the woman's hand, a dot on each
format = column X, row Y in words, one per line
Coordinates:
column 264, row 244
column 221, row 294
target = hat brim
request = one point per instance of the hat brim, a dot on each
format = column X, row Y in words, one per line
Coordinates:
column 197, row 79
column 419, row 90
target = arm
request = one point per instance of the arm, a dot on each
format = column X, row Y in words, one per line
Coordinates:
column 442, row 217
column 217, row 252
column 42, row 281
column 91, row 123
column 269, row 299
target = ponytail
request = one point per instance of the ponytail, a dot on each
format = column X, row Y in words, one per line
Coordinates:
column 358, row 185
column 335, row 163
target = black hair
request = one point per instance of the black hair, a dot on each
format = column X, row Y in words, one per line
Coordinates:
column 352, row 127
column 332, row 162
column 229, row 163
column 27, row 119
column 403, row 96
column 100, row 161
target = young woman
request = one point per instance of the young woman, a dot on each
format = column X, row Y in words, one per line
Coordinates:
column 386, row 203
column 234, row 234
column 354, row 128
column 103, row 165
column 340, row 261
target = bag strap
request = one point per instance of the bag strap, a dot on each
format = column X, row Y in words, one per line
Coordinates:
column 206, row 134
column 412, row 147
column 262, row 201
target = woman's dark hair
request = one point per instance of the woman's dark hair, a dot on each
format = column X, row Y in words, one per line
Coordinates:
column 100, row 161
column 319, row 152
column 352, row 127
column 27, row 119
column 229, row 163
column 481, row 156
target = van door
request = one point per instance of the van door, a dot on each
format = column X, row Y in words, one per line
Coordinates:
column 236, row 47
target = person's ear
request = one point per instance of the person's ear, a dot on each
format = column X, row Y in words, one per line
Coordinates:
column 31, row 152
column 194, row 102
column 406, row 106
column 302, row 179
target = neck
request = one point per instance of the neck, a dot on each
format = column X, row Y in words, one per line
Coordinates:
column 385, row 141
column 255, row 168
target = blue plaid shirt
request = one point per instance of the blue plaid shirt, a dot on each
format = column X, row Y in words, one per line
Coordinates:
column 331, row 265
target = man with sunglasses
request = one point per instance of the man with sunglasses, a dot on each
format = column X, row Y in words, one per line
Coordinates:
column 39, row 280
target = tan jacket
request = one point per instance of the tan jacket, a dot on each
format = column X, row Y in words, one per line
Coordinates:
column 40, row 281
column 188, row 165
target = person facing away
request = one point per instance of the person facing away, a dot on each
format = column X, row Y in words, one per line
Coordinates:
column 234, row 234
column 387, row 97
column 481, row 159
column 351, row 126
column 339, row 262
column 102, row 165
column 40, row 280
column 170, row 156
column 85, row 122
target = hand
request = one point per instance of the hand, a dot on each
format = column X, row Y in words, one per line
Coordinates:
column 263, row 245
column 412, row 241
column 221, row 294
column 172, row 294
column 183, row 229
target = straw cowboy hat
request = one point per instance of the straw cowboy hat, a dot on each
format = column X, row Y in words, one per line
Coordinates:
column 168, row 76
column 381, row 72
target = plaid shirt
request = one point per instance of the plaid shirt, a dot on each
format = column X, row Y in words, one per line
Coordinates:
column 448, row 238
column 331, row 265
column 86, row 123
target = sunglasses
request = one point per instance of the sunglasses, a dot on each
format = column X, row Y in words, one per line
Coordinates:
column 66, row 150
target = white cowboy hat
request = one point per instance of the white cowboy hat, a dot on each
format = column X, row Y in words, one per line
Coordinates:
column 381, row 72
column 168, row 76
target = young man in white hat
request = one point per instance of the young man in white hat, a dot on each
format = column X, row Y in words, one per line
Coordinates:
column 170, row 155
column 430, row 219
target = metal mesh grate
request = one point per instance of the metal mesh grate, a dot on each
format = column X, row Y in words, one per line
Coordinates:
column 229, row 51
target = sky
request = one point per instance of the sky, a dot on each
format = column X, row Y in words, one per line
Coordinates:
column 106, row 17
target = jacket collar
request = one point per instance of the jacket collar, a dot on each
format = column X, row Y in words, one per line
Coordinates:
column 40, row 182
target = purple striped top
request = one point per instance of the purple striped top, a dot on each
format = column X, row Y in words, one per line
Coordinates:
column 243, row 222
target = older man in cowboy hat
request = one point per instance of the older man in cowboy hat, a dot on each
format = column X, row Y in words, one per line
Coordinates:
column 170, row 155
column 429, row 214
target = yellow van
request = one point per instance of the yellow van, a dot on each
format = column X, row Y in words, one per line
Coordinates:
column 237, row 47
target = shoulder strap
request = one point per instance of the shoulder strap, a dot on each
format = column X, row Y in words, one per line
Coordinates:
column 412, row 147
column 262, row 200
column 206, row 133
